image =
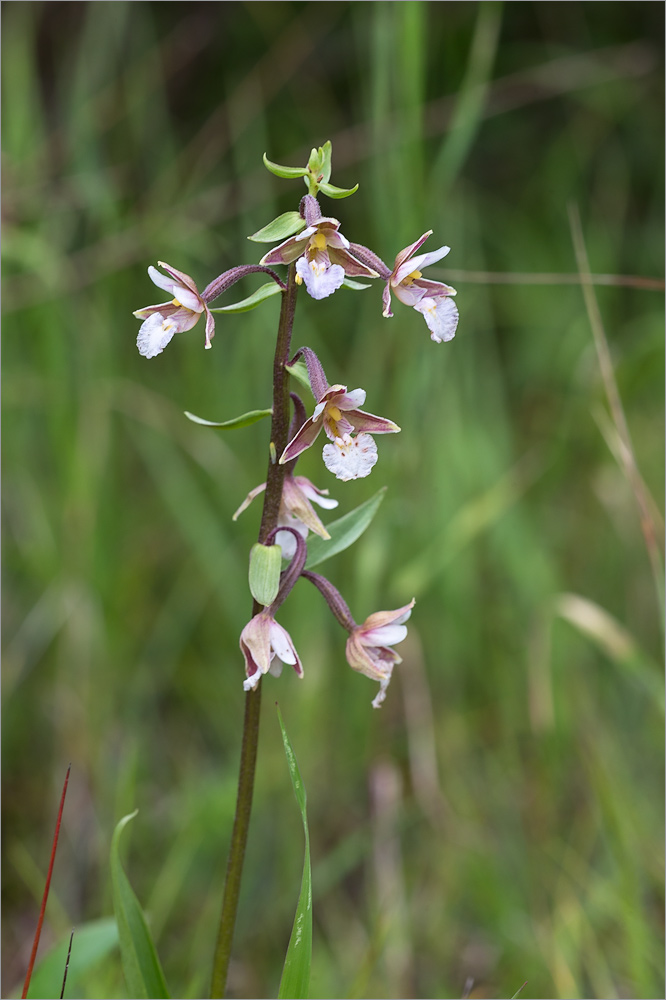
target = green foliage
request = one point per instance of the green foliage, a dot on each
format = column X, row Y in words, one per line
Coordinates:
column 344, row 531
column 296, row 973
column 264, row 575
column 141, row 966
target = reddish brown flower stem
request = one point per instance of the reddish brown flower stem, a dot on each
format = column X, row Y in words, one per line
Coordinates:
column 250, row 741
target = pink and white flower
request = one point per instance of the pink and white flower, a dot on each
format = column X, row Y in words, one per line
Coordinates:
column 338, row 415
column 431, row 298
column 296, row 511
column 163, row 321
column 369, row 646
column 266, row 646
column 322, row 256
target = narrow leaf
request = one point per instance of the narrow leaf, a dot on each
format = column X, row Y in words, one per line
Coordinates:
column 235, row 423
column 296, row 972
column 350, row 283
column 141, row 966
column 300, row 372
column 326, row 153
column 252, row 301
column 264, row 575
column 280, row 171
column 285, row 225
column 335, row 192
column 94, row 941
column 344, row 531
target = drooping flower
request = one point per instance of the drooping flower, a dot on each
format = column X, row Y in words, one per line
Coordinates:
column 163, row 321
column 338, row 415
column 369, row 646
column 296, row 510
column 431, row 298
column 265, row 645
column 322, row 255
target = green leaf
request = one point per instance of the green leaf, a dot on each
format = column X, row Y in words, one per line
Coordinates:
column 350, row 283
column 280, row 171
column 92, row 942
column 336, row 192
column 264, row 576
column 296, row 972
column 285, row 225
column 252, row 301
column 300, row 372
column 235, row 423
column 343, row 532
column 141, row 966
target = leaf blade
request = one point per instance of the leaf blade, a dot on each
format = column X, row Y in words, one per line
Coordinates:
column 141, row 965
column 280, row 171
column 245, row 420
column 280, row 228
column 252, row 301
column 344, row 531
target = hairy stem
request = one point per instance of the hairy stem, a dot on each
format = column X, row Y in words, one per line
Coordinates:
column 248, row 761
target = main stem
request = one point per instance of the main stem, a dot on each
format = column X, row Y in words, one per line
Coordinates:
column 248, row 761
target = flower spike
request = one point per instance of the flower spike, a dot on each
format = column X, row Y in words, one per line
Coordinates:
column 430, row 298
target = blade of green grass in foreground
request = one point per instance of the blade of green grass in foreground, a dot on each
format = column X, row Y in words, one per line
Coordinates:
column 296, row 972
column 245, row 420
column 141, row 966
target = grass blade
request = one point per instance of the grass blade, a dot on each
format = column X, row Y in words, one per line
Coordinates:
column 296, row 972
column 141, row 966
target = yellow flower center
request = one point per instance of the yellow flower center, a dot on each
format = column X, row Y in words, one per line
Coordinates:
column 334, row 413
column 410, row 278
column 318, row 241
column 176, row 303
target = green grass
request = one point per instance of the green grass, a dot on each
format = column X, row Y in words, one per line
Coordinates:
column 501, row 818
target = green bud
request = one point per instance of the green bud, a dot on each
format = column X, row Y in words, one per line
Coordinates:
column 265, row 564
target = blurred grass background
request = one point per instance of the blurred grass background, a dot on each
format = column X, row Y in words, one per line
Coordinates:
column 501, row 819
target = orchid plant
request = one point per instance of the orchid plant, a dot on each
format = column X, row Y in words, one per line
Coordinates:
column 318, row 256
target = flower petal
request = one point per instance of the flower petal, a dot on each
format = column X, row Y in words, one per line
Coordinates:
column 321, row 279
column 352, row 267
column 351, row 400
column 416, row 263
column 386, row 299
column 303, row 438
column 155, row 333
column 387, row 635
column 350, row 458
column 290, row 249
column 408, row 251
column 248, row 500
column 362, row 421
column 441, row 316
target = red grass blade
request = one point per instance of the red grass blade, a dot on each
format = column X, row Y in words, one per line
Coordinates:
column 38, row 932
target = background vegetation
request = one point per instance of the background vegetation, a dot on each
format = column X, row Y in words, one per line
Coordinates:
column 501, row 819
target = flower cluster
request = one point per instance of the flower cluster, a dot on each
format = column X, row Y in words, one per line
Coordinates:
column 323, row 260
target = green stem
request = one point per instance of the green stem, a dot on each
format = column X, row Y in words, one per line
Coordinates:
column 248, row 761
